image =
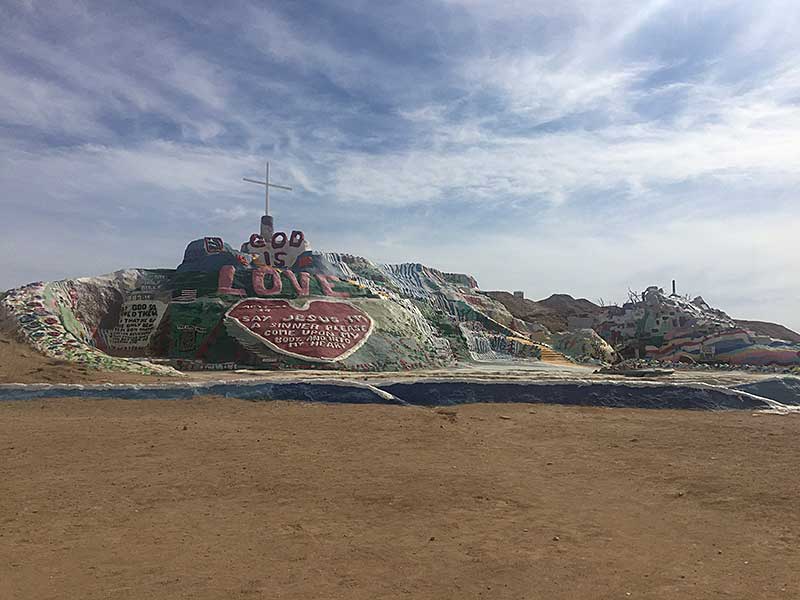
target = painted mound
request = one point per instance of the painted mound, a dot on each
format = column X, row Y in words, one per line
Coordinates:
column 670, row 328
column 227, row 309
column 654, row 326
column 773, row 330
column 276, row 304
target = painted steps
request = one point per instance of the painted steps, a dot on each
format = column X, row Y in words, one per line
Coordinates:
column 553, row 357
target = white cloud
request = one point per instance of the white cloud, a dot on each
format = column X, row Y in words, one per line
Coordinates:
column 755, row 139
column 31, row 102
column 237, row 212
column 544, row 89
column 107, row 70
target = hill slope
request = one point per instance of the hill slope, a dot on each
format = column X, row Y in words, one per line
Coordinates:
column 773, row 330
column 552, row 312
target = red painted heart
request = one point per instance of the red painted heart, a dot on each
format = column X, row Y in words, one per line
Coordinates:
column 319, row 331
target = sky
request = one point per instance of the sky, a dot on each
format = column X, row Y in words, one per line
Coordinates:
column 582, row 147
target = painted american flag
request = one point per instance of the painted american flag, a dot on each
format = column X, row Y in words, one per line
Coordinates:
column 186, row 296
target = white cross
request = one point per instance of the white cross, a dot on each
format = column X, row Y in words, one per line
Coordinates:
column 267, row 185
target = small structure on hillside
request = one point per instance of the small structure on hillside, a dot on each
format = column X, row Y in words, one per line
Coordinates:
column 267, row 223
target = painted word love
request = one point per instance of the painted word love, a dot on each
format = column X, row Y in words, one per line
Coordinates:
column 301, row 287
column 317, row 331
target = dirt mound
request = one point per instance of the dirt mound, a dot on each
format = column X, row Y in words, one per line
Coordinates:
column 773, row 330
column 567, row 305
column 553, row 312
column 530, row 311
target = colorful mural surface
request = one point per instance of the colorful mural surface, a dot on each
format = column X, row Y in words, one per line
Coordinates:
column 317, row 331
column 60, row 318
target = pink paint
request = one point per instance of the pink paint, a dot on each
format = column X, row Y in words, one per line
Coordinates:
column 301, row 287
column 327, row 288
column 256, row 241
column 225, row 281
column 258, row 282
column 278, row 240
column 316, row 331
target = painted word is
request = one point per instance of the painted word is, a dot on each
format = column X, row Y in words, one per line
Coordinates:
column 260, row 276
column 280, row 250
column 320, row 331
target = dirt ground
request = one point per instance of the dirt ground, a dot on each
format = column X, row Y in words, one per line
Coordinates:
column 20, row 363
column 219, row 498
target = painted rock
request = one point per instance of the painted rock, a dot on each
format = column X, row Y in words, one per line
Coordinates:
column 317, row 331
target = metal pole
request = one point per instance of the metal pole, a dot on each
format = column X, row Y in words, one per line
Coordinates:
column 266, row 192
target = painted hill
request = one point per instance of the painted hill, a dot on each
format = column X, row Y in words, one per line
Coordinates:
column 656, row 326
column 226, row 309
column 673, row 328
column 276, row 304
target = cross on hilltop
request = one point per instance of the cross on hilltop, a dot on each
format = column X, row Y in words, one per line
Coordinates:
column 266, row 220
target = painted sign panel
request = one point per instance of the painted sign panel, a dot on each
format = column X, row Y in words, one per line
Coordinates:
column 317, row 331
column 138, row 320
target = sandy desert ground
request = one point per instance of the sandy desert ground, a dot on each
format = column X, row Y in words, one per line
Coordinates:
column 19, row 363
column 220, row 498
